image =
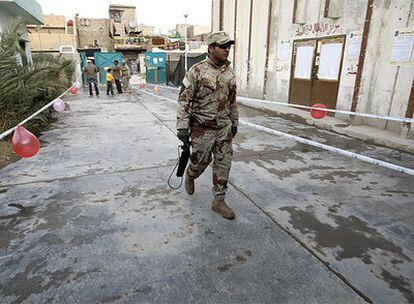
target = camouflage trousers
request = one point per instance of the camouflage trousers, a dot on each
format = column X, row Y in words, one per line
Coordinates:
column 206, row 142
column 126, row 84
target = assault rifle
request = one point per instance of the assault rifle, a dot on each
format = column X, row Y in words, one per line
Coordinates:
column 183, row 160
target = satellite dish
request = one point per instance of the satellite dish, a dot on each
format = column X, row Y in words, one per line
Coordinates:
column 132, row 24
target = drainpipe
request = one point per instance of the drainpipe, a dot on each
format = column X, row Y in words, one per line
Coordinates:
column 269, row 23
column 250, row 45
column 76, row 31
column 185, row 44
column 361, row 60
column 235, row 34
column 408, row 114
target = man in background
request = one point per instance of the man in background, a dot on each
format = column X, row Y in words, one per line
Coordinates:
column 117, row 76
column 90, row 71
column 126, row 76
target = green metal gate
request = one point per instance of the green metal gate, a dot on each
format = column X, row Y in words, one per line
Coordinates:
column 156, row 64
column 104, row 60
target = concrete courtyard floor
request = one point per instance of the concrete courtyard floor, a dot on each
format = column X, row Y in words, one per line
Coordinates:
column 91, row 218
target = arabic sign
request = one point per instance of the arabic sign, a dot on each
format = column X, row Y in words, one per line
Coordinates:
column 324, row 28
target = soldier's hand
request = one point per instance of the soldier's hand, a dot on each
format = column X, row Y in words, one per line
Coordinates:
column 234, row 131
column 183, row 135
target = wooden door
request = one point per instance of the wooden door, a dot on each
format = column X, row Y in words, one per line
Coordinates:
column 315, row 72
column 301, row 72
column 327, row 71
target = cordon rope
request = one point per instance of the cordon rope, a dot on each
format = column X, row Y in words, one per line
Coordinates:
column 4, row 134
column 363, row 158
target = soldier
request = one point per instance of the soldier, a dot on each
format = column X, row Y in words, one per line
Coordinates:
column 207, row 112
column 126, row 76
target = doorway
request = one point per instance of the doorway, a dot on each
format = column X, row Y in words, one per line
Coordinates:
column 315, row 71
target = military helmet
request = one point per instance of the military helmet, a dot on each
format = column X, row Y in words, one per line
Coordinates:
column 219, row 38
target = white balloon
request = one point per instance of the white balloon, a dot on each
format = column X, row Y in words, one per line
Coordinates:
column 76, row 85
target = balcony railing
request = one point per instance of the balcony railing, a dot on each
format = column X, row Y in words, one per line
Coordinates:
column 129, row 42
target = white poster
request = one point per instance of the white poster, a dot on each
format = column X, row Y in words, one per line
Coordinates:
column 284, row 50
column 330, row 61
column 304, row 58
column 402, row 48
column 354, row 46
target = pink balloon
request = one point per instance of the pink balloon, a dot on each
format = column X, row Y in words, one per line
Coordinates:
column 24, row 143
column 58, row 105
column 142, row 85
column 73, row 90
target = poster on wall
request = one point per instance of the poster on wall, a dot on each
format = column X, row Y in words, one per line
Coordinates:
column 284, row 50
column 304, row 59
column 330, row 61
column 402, row 48
column 354, row 46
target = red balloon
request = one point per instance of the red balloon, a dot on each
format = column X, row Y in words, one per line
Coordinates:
column 73, row 90
column 24, row 143
column 318, row 114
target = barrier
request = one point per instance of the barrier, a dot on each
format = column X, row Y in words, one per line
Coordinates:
column 360, row 157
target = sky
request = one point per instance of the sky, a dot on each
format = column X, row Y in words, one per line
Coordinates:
column 163, row 14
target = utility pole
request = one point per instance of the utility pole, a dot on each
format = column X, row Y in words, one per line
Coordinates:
column 185, row 42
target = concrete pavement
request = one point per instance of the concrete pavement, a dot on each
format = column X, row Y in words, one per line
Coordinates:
column 91, row 219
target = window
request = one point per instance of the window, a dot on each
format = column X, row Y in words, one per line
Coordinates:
column 117, row 17
column 333, row 8
column 299, row 11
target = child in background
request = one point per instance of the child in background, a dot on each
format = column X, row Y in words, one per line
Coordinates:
column 109, row 81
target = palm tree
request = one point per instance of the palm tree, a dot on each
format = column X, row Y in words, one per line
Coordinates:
column 25, row 87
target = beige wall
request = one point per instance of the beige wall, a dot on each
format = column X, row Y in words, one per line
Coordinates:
column 127, row 14
column 146, row 30
column 50, row 42
column 51, row 35
column 385, row 86
column 94, row 29
column 54, row 21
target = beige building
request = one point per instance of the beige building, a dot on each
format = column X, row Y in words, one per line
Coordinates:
column 94, row 33
column 180, row 29
column 52, row 35
column 146, row 30
column 198, row 30
column 128, row 38
column 353, row 55
column 123, row 19
column 192, row 30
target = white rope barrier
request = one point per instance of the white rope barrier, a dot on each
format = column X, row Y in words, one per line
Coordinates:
column 274, row 102
column 367, row 159
column 399, row 119
column 4, row 134
column 360, row 157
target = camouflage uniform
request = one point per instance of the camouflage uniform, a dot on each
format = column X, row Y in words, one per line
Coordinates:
column 208, row 100
column 126, row 76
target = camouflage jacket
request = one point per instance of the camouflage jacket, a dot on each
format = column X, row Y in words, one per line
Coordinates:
column 208, row 95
